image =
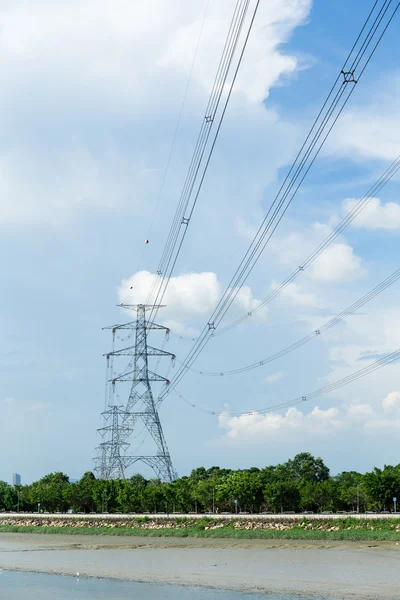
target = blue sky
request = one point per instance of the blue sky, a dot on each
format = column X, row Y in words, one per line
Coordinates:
column 92, row 93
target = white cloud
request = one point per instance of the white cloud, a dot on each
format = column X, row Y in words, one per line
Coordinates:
column 314, row 424
column 367, row 336
column 97, row 44
column 370, row 129
column 80, row 77
column 293, row 248
column 375, row 215
column 293, row 295
column 47, row 189
column 360, row 410
column 257, row 425
column 391, row 402
column 275, row 376
column 188, row 296
column 337, row 263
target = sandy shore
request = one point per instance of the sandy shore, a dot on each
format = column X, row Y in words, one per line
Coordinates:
column 362, row 570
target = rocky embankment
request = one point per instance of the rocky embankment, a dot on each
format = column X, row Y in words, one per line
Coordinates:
column 205, row 524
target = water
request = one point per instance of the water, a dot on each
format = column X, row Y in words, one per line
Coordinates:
column 20, row 586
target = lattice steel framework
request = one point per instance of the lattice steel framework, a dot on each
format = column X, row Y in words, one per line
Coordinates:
column 120, row 422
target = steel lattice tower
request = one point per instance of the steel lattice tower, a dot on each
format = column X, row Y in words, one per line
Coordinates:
column 112, row 460
column 119, row 422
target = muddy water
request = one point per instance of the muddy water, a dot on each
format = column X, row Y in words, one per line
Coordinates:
column 345, row 571
column 20, row 586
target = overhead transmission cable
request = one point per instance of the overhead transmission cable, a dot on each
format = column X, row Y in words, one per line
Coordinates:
column 201, row 159
column 180, row 222
column 351, row 72
column 178, row 123
column 330, row 238
column 205, row 128
column 378, row 364
column 339, row 318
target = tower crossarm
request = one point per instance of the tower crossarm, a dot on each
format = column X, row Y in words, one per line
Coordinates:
column 111, row 444
column 150, row 352
column 130, row 376
column 157, row 326
column 130, row 325
column 140, row 306
column 157, row 352
column 125, row 429
column 123, row 352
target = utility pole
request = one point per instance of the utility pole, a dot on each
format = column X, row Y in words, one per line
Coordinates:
column 120, row 421
column 358, row 499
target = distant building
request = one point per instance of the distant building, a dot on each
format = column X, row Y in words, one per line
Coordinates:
column 16, row 479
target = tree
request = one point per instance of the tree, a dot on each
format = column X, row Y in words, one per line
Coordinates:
column 281, row 495
column 319, row 496
column 52, row 492
column 350, row 490
column 8, row 496
column 203, row 494
column 243, row 486
column 382, row 486
column 305, row 468
column 105, row 495
column 199, row 474
column 82, row 493
column 154, row 497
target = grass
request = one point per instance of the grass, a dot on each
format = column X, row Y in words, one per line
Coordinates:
column 228, row 532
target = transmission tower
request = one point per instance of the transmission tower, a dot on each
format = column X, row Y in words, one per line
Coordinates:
column 112, row 460
column 120, row 422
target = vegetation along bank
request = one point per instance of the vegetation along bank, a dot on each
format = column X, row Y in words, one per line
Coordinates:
column 301, row 484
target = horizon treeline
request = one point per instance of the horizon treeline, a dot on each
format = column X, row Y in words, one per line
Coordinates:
column 303, row 483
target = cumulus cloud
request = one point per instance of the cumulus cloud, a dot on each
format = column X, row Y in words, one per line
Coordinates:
column 70, row 92
column 102, row 41
column 293, row 295
column 188, row 296
column 257, row 425
column 370, row 129
column 391, row 402
column 375, row 215
column 337, row 263
column 316, row 423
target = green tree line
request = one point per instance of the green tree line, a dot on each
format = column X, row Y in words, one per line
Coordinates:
column 301, row 484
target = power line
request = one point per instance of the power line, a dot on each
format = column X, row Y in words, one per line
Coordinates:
column 183, row 337
column 187, row 203
column 378, row 364
column 381, row 287
column 164, row 177
column 304, row 160
column 330, row 238
column 205, row 128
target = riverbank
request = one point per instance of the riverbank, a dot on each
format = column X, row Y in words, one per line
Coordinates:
column 345, row 570
column 208, row 527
